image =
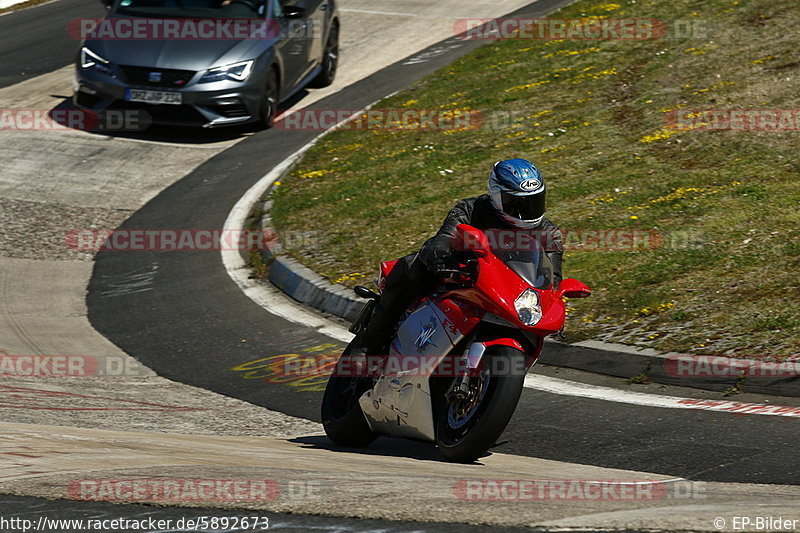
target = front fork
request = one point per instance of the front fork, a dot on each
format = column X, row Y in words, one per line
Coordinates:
column 472, row 362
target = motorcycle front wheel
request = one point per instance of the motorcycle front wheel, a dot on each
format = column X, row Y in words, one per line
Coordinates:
column 467, row 427
column 342, row 417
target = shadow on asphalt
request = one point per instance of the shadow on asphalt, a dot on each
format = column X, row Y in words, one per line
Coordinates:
column 384, row 446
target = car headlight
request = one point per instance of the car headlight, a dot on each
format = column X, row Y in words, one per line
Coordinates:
column 234, row 71
column 89, row 59
column 527, row 306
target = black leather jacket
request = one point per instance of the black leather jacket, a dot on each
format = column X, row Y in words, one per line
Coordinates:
column 480, row 213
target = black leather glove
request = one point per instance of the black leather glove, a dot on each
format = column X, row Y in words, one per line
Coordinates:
column 445, row 266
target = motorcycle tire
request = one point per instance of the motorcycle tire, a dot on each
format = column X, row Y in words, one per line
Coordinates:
column 342, row 418
column 463, row 439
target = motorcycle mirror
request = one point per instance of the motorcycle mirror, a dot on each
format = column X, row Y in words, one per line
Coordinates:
column 471, row 239
column 572, row 288
column 363, row 292
column 294, row 12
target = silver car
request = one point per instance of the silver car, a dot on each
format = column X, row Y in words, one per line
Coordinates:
column 206, row 62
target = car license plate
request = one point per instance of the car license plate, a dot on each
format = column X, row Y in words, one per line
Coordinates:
column 153, row 97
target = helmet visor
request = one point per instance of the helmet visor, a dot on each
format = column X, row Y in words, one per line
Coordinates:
column 528, row 207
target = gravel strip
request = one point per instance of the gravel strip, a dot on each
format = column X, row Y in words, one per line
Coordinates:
column 34, row 230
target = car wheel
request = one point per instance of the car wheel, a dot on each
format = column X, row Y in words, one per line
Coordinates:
column 269, row 101
column 330, row 59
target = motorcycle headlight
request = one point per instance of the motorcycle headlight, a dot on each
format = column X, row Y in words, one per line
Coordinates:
column 234, row 71
column 527, row 306
column 90, row 59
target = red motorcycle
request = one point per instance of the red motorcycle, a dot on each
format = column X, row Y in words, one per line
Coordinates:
column 457, row 362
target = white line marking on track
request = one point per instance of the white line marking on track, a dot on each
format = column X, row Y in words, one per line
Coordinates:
column 266, row 296
column 596, row 392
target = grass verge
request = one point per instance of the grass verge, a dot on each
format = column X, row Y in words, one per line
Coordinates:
column 22, row 5
column 724, row 276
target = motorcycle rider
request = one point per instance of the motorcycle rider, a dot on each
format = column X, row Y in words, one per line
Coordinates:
column 515, row 201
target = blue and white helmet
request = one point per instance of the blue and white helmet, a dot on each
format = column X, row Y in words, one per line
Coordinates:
column 518, row 192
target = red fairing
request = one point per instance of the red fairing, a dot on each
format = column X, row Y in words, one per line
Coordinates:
column 495, row 290
column 498, row 287
column 511, row 343
column 386, row 268
column 553, row 312
column 461, row 317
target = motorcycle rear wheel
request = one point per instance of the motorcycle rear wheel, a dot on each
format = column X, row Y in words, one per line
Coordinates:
column 342, row 418
column 464, row 431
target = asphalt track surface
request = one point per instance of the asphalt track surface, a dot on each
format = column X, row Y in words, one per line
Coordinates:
column 180, row 313
column 34, row 509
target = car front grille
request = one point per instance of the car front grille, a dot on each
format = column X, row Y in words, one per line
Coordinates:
column 231, row 110
column 157, row 77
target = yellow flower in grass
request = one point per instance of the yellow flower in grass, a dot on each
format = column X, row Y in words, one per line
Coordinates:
column 527, row 86
column 501, row 64
column 349, row 277
column 763, row 60
column 571, row 53
column 687, row 193
column 459, row 130
column 660, row 135
column 314, row 174
column 346, row 148
column 552, row 149
column 606, row 7
column 604, row 73
column 587, row 73
column 388, row 155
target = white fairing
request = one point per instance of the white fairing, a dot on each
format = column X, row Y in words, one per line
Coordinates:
column 399, row 404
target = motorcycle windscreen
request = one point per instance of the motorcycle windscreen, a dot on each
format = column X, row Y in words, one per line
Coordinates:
column 530, row 263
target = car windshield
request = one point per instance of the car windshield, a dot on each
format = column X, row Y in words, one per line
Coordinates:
column 221, row 9
column 530, row 262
